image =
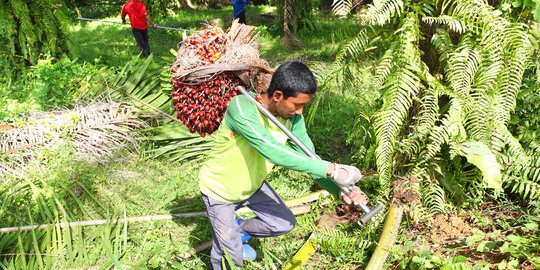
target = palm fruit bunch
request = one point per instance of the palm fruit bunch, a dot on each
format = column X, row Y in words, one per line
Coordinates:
column 201, row 106
column 209, row 66
column 212, row 41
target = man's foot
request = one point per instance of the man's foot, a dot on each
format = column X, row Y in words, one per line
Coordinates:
column 245, row 236
column 249, row 253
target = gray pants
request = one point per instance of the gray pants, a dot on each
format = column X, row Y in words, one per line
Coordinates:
column 273, row 218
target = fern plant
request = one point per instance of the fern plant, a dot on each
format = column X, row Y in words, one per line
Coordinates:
column 31, row 28
column 435, row 119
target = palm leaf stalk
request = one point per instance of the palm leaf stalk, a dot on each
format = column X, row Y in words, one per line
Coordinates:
column 388, row 236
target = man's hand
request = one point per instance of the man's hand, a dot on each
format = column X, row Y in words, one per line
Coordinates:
column 344, row 175
column 154, row 25
column 124, row 20
column 356, row 196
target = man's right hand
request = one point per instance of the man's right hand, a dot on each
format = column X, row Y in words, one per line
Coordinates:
column 344, row 175
column 123, row 21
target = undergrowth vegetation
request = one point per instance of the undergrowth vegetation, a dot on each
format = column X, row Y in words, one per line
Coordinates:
column 380, row 107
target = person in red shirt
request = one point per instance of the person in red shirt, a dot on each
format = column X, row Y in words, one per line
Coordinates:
column 138, row 16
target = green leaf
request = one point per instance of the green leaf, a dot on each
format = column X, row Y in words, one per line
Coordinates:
column 419, row 260
column 516, row 239
column 530, row 227
column 473, row 239
column 480, row 155
column 481, row 246
column 459, row 259
column 529, row 3
column 505, row 248
column 446, row 267
column 514, row 264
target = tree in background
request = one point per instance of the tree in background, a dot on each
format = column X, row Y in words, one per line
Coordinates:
column 293, row 14
column 31, row 28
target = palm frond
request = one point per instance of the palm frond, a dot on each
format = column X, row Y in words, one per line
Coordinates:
column 150, row 93
column 434, row 198
column 341, row 7
column 339, row 243
column 425, row 122
column 443, row 43
column 385, row 66
column 462, row 68
column 32, row 28
column 95, row 130
column 381, row 12
column 526, row 188
column 339, row 71
column 400, row 88
column 522, row 175
column 454, row 24
column 514, row 40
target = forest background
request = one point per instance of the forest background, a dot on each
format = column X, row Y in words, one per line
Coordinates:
column 438, row 101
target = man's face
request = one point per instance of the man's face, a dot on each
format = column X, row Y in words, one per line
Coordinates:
column 288, row 108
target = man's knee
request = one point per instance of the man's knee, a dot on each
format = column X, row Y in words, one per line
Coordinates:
column 285, row 225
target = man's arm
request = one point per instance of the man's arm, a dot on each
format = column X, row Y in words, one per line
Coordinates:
column 147, row 16
column 124, row 12
column 241, row 117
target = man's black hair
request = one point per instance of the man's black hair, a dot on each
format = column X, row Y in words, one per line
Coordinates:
column 292, row 78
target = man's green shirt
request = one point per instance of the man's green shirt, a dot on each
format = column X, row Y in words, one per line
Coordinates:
column 246, row 147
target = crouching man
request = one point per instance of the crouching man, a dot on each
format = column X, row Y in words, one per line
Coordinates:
column 246, row 147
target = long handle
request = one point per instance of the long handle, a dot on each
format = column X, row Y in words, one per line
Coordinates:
column 284, row 129
column 161, row 27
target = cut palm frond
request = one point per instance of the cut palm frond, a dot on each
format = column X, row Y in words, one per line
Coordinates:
column 95, row 130
column 150, row 93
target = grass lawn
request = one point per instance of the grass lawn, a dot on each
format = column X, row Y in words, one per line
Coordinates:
column 113, row 44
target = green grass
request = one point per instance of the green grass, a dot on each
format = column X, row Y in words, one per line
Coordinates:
column 114, row 44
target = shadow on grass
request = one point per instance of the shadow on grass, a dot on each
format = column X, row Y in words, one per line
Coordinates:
column 199, row 227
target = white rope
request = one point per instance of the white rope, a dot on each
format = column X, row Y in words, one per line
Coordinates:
column 161, row 27
column 292, row 202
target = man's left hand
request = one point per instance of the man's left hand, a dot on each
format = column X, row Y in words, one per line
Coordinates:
column 154, row 25
column 356, row 196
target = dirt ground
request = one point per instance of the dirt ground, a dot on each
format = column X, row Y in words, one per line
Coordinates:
column 443, row 234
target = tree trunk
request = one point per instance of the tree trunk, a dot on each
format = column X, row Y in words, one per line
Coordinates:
column 187, row 3
column 290, row 25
